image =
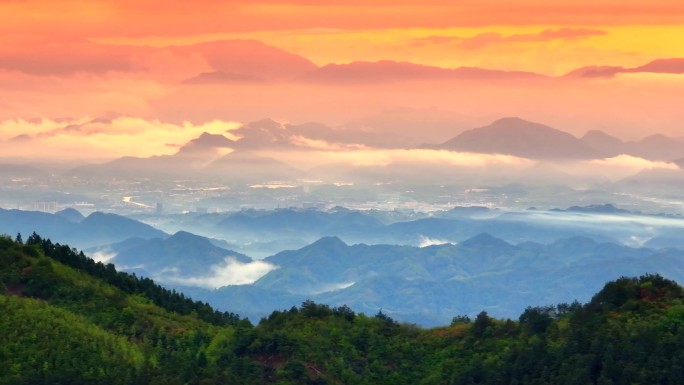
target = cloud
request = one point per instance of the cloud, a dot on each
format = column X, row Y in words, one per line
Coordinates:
column 101, row 139
column 647, row 224
column 102, row 256
column 231, row 272
column 133, row 18
column 632, row 163
column 332, row 287
column 385, row 157
column 489, row 38
column 427, row 241
column 317, row 144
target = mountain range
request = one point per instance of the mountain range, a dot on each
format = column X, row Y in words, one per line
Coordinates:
column 182, row 254
column 386, row 70
column 242, row 160
column 427, row 285
column 96, row 229
column 251, row 61
column 545, row 258
column 658, row 66
column 515, row 136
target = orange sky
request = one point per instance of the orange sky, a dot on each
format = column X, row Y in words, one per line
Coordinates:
column 534, row 35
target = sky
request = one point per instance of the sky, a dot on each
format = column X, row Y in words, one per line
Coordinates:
column 77, row 60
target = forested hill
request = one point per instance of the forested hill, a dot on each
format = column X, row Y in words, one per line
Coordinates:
column 65, row 319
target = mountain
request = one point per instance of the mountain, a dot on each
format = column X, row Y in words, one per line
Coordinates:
column 204, row 142
column 245, row 60
column 271, row 134
column 70, row 214
column 425, row 285
column 102, row 228
column 75, row 316
column 266, row 232
column 518, row 137
column 9, row 170
column 189, row 159
column 605, row 145
column 656, row 147
column 662, row 66
column 666, row 241
column 669, row 66
column 27, row 222
column 87, row 323
column 304, row 220
column 606, row 208
column 249, row 167
column 595, row 72
column 652, row 147
column 183, row 254
column 96, row 229
column 386, row 70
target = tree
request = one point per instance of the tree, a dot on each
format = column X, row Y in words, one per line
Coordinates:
column 460, row 320
column 536, row 319
column 482, row 322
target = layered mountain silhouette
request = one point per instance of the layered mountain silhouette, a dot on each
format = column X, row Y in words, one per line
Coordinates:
column 653, row 147
column 12, row 170
column 660, row 66
column 515, row 136
column 387, row 70
column 247, row 159
column 183, row 254
column 428, row 285
column 518, row 137
column 69, row 225
column 194, row 155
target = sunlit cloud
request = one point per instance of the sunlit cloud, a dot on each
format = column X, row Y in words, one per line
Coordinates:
column 486, row 38
column 632, row 163
column 323, row 145
column 88, row 139
column 231, row 272
column 427, row 241
column 102, row 256
column 368, row 157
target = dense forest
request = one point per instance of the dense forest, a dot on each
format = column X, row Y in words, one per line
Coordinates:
column 65, row 319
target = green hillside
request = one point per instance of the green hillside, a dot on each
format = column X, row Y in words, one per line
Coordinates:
column 65, row 319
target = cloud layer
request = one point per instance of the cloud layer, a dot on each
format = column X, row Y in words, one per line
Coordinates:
column 231, row 272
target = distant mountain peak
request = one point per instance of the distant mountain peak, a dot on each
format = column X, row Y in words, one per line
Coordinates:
column 329, row 241
column 245, row 60
column 512, row 122
column 519, row 137
column 599, row 134
column 212, row 140
column 671, row 66
column 606, row 208
column 180, row 235
column 484, row 239
column 71, row 214
column 206, row 148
